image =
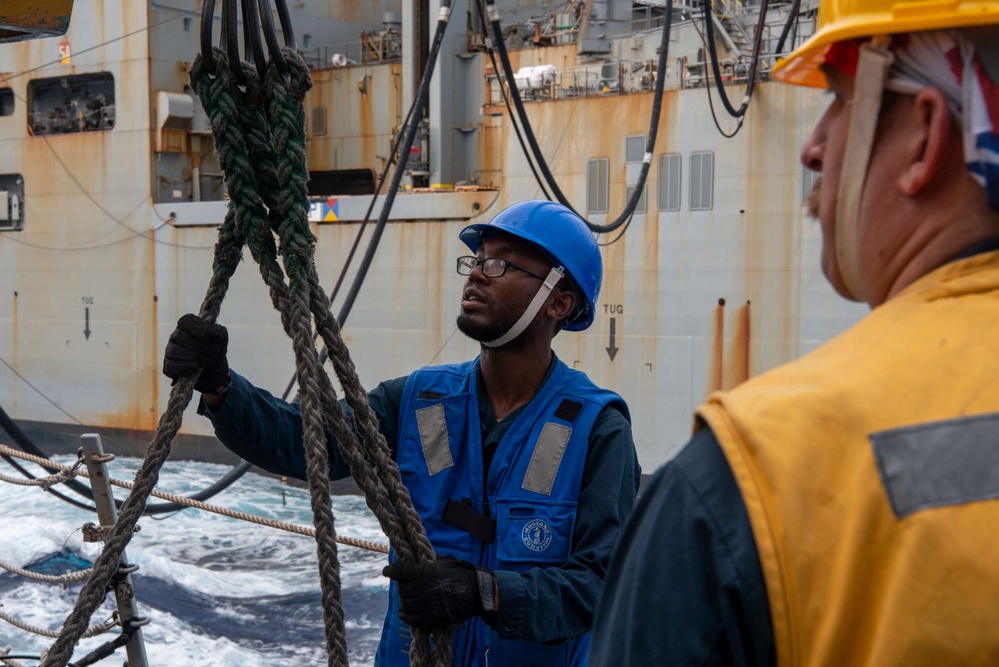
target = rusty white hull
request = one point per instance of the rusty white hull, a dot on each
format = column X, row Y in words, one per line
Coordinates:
column 114, row 247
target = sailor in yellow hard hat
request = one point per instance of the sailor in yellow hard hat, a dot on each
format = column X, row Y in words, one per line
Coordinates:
column 843, row 509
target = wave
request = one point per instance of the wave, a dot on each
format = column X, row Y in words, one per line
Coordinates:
column 218, row 591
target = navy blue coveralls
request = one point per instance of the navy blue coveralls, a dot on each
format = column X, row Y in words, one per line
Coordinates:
column 544, row 602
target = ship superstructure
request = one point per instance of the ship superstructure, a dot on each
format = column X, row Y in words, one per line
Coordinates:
column 111, row 200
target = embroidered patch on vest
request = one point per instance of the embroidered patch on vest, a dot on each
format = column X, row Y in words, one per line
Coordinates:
column 939, row 464
column 537, row 535
column 546, row 458
column 433, row 436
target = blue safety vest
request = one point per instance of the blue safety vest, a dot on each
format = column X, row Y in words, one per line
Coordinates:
column 520, row 518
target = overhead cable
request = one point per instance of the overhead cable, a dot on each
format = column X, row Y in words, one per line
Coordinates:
column 506, row 100
column 632, row 204
column 709, row 15
column 409, row 137
column 792, row 22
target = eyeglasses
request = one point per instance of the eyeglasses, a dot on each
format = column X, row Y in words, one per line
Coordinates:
column 492, row 267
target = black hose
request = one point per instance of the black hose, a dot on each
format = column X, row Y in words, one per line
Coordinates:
column 506, row 102
column 207, row 23
column 270, row 36
column 287, row 29
column 253, row 48
column 709, row 30
column 324, row 353
column 650, row 145
column 230, row 37
column 792, row 20
column 409, row 136
column 26, row 445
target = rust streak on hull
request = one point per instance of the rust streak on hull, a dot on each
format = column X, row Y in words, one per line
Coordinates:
column 739, row 368
column 718, row 349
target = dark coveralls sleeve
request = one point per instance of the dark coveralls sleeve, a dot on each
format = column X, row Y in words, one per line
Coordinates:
column 267, row 432
column 685, row 586
column 540, row 605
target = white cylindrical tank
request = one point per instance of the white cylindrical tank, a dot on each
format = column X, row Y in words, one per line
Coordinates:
column 535, row 77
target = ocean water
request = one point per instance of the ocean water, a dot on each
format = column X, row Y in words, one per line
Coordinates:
column 219, row 592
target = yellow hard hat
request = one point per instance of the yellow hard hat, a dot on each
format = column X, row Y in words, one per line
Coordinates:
column 840, row 20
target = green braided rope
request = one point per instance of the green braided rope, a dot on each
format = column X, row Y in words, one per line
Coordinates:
column 237, row 162
column 269, row 194
column 287, row 115
column 228, row 252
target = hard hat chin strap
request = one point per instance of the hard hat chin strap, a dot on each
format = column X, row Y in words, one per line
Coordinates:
column 518, row 328
column 872, row 74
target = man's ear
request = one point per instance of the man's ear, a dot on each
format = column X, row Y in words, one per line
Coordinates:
column 561, row 305
column 935, row 146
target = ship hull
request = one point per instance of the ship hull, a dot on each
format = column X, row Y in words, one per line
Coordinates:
column 115, row 246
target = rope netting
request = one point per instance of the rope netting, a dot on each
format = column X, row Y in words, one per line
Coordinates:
column 261, row 150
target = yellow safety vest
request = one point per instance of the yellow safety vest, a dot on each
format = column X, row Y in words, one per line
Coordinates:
column 870, row 471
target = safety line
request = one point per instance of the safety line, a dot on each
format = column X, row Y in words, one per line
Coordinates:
column 68, row 578
column 92, row 631
column 233, row 514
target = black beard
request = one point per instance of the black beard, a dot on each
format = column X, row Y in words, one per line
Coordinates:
column 482, row 333
column 813, row 199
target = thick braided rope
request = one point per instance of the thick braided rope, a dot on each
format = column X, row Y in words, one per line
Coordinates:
column 336, row 419
column 374, row 468
column 268, row 179
column 287, row 116
column 227, row 257
column 293, row 209
column 292, row 212
column 252, row 221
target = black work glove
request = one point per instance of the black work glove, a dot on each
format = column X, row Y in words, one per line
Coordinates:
column 438, row 594
column 197, row 345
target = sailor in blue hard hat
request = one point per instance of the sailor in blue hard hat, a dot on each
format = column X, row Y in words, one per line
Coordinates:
column 521, row 468
column 545, row 234
column 543, row 468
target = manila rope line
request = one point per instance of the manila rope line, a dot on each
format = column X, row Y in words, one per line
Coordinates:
column 262, row 154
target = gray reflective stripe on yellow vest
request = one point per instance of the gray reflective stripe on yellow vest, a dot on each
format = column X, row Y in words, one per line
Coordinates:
column 433, row 436
column 547, row 458
column 939, row 464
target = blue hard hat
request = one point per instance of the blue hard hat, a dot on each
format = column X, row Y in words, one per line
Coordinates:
column 560, row 234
